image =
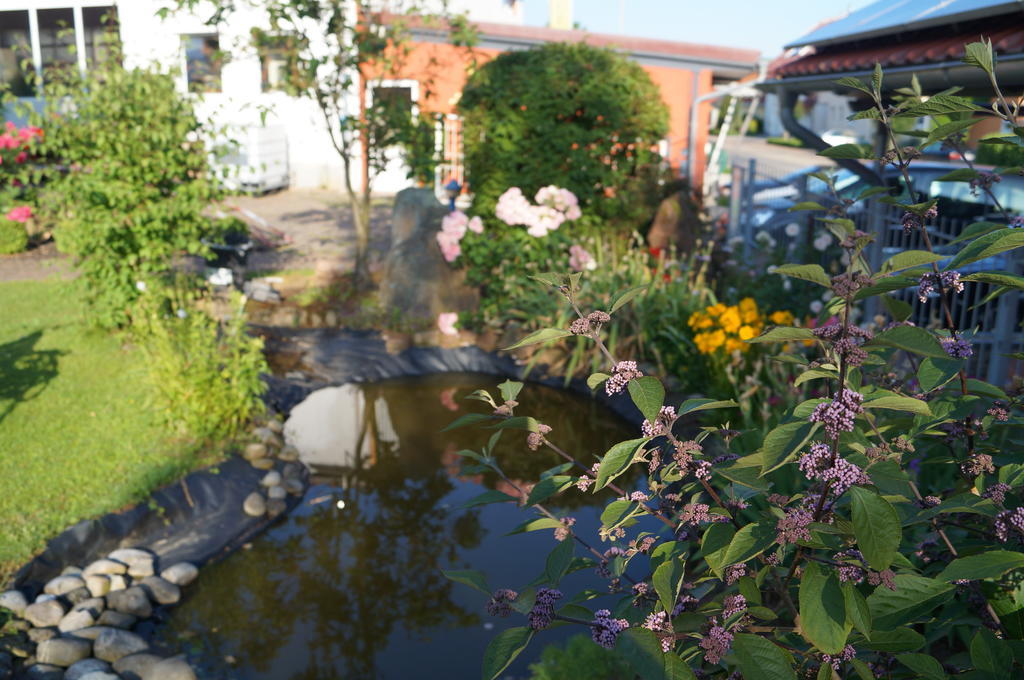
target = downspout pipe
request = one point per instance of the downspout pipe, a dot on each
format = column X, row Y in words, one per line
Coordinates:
column 787, row 104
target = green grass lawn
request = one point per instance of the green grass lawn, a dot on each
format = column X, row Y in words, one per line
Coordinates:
column 78, row 437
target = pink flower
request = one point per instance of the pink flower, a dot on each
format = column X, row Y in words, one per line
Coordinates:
column 446, row 323
column 22, row 213
column 449, row 243
column 454, row 223
column 476, row 225
column 8, row 141
column 580, row 259
column 21, row 157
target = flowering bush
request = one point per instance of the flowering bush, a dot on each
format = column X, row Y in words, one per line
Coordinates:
column 875, row 531
column 729, row 327
column 16, row 149
column 130, row 179
column 586, row 115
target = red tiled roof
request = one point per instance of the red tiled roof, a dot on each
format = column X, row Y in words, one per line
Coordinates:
column 923, row 51
column 630, row 44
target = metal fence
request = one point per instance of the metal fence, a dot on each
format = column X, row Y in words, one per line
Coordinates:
column 996, row 324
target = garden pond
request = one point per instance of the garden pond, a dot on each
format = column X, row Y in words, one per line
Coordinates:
column 349, row 584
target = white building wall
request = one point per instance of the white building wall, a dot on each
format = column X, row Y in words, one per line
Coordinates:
column 149, row 40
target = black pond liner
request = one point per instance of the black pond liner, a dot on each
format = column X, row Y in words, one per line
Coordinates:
column 213, row 524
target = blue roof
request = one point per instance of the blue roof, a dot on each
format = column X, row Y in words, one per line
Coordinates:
column 894, row 16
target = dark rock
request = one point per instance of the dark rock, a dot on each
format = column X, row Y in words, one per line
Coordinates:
column 135, row 666
column 417, row 283
column 276, row 506
column 175, row 668
column 180, row 574
column 100, row 675
column 116, row 619
column 18, row 645
column 94, row 605
column 82, row 668
column 276, row 493
column 130, row 601
column 45, row 614
column 161, row 590
column 63, row 651
column 44, row 671
column 676, row 224
column 112, row 644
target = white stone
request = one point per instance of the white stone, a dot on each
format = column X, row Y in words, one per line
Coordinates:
column 64, row 584
column 106, row 566
column 14, row 600
column 272, row 478
column 131, row 556
column 180, row 574
column 76, row 620
column 98, row 584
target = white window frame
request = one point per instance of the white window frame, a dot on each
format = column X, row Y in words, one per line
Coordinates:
column 411, row 83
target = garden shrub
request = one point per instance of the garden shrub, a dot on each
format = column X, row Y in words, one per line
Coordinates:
column 13, row 237
column 137, row 179
column 1001, row 155
column 876, row 530
column 579, row 659
column 585, row 115
column 206, row 372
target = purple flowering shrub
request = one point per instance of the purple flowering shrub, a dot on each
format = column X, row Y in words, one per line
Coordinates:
column 877, row 531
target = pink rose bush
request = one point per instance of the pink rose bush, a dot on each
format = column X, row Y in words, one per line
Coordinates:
column 446, row 323
column 580, row 259
column 22, row 213
column 554, row 206
column 453, row 228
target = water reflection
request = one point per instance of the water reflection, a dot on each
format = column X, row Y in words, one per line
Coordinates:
column 356, row 591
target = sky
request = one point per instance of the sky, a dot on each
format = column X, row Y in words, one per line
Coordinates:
column 764, row 25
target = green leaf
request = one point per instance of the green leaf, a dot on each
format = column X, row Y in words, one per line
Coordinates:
column 823, row 610
column 914, row 597
column 992, row 564
column 761, row 659
column 806, row 205
column 908, row 259
column 750, row 541
column 715, row 542
column 559, row 560
column 940, row 104
column 876, row 80
column 676, row 669
column 876, row 526
column 980, row 54
column 898, row 402
column 898, row 640
column 997, row 279
column 898, row 309
column 616, row 512
column 490, row 496
column 667, row 579
column 848, row 151
column 536, row 525
column 959, row 175
column 988, row 245
column 925, row 666
column 510, row 389
column 548, row 487
column 616, row 461
column 627, row 297
column 863, row 671
column 808, row 272
column 550, row 278
column 911, row 339
column 543, row 335
column 934, row 373
column 503, row 650
column 813, row 374
column 784, row 334
column 941, row 132
column 642, row 650
column 988, row 653
column 527, row 423
column 596, row 379
column 469, row 577
column 855, row 83
column 784, row 442
column 857, row 610
column 648, row 395
column 973, row 231
column 467, row 419
column 694, row 405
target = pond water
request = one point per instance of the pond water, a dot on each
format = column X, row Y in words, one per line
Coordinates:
column 349, row 584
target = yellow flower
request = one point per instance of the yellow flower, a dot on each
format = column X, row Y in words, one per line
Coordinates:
column 782, row 318
column 748, row 310
column 732, row 344
column 730, row 320
column 700, row 321
column 746, row 332
column 716, row 310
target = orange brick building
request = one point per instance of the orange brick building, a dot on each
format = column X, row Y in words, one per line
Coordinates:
column 683, row 72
